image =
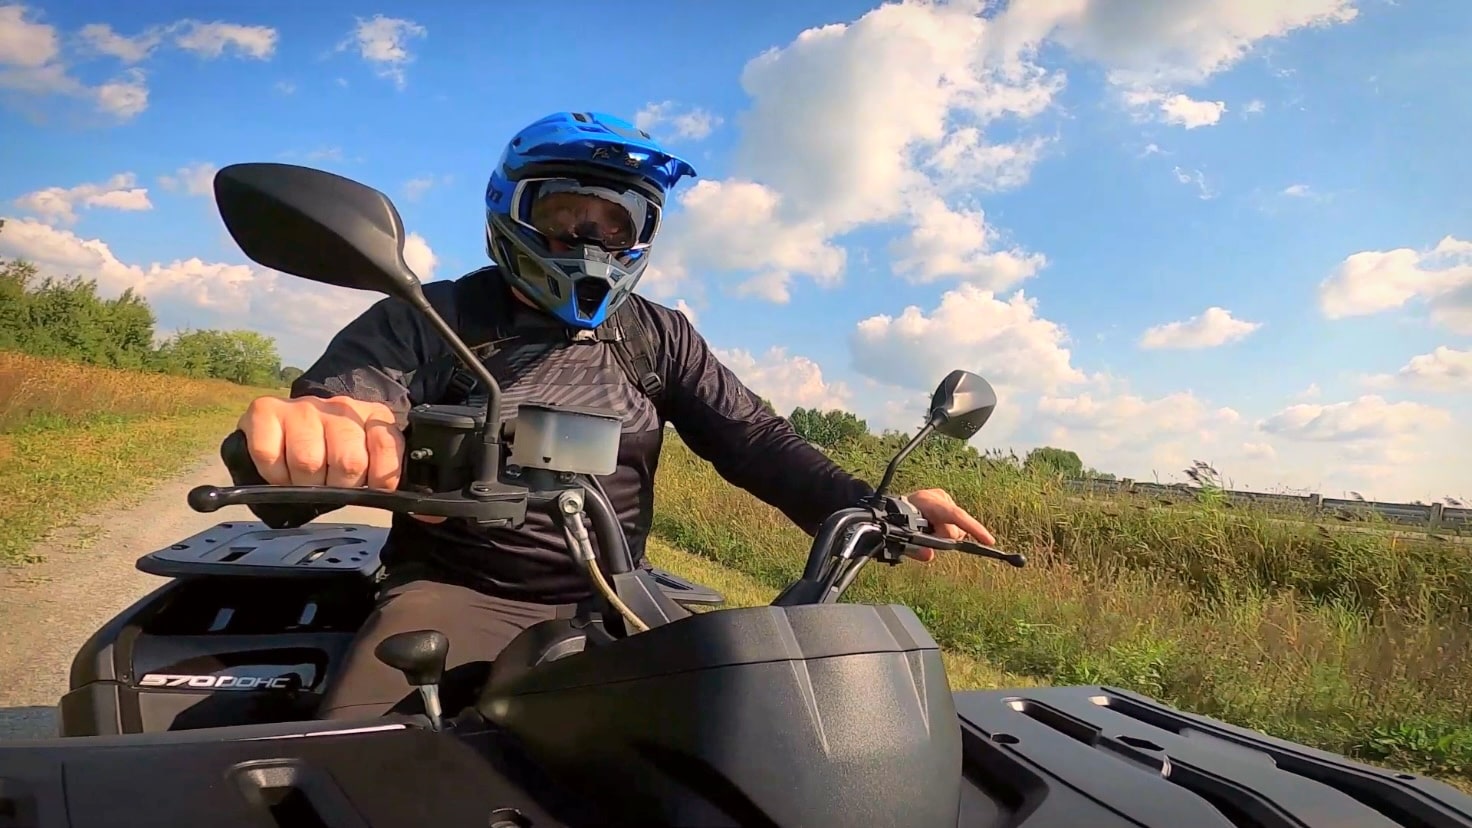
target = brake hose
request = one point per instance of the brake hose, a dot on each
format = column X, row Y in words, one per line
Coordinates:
column 577, row 538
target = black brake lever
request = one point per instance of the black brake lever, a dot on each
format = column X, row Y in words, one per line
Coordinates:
column 1016, row 559
column 501, row 508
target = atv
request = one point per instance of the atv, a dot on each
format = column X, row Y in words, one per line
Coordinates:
column 195, row 706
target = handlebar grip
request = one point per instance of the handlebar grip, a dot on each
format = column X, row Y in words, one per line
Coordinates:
column 235, row 454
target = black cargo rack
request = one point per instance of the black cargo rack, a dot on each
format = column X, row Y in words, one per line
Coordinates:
column 251, row 549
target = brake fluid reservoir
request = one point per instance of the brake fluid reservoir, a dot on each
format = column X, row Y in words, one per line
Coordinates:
column 566, row 439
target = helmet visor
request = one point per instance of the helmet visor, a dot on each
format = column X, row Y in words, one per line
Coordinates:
column 613, row 218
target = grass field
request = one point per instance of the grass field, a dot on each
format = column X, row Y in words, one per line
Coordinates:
column 73, row 435
column 1346, row 641
column 1357, row 643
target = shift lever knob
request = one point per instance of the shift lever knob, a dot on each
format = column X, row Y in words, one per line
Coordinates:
column 420, row 655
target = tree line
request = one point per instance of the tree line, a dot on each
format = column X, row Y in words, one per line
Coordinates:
column 836, row 430
column 66, row 318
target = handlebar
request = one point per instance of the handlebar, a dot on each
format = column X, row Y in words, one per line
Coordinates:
column 493, row 503
column 884, row 529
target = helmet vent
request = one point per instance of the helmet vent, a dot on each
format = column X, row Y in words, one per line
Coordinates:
column 590, row 294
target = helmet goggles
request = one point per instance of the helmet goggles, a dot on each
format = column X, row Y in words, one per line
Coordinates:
column 583, row 212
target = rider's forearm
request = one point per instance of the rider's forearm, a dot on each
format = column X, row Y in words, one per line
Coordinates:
column 373, row 359
column 766, row 457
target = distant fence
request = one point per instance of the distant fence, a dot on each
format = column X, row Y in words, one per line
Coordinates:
column 1435, row 516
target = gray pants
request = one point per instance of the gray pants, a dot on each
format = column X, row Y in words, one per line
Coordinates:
column 478, row 627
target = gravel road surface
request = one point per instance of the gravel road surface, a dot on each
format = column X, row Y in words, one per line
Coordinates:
column 48, row 609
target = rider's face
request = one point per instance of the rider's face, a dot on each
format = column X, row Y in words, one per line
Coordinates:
column 564, row 218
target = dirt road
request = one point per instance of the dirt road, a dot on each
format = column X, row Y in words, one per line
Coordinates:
column 47, row 610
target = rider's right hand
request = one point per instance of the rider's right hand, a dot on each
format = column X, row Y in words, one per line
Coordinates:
column 311, row 441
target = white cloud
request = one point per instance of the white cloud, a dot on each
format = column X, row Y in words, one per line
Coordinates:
column 1367, row 418
column 912, row 75
column 285, row 87
column 957, row 244
column 31, row 65
column 1003, row 340
column 692, row 124
column 1135, row 423
column 101, row 39
column 197, row 179
column 25, row 43
column 964, row 161
column 1260, row 451
column 734, row 225
column 207, row 40
column 31, row 62
column 1214, row 327
column 383, row 42
column 211, row 40
column 1182, row 42
column 916, row 77
column 684, row 307
column 1388, row 451
column 1297, row 191
column 1196, row 178
column 419, row 257
column 1179, row 110
column 416, row 187
column 61, row 203
column 787, row 381
column 1374, row 281
column 1150, row 51
column 1444, row 369
column 886, row 118
column 125, row 96
column 1254, row 107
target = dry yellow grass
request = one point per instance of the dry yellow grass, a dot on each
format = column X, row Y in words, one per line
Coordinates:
column 73, row 437
column 37, row 390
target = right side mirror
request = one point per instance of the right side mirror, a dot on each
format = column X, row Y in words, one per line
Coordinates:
column 962, row 404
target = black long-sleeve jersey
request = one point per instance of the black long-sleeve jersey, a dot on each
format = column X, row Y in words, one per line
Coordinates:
column 390, row 354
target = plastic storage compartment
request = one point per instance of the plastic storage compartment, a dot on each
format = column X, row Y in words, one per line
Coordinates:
column 566, row 439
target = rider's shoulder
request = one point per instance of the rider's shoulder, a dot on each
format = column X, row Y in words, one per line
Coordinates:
column 662, row 317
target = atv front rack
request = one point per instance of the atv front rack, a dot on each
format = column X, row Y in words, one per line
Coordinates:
column 251, row 549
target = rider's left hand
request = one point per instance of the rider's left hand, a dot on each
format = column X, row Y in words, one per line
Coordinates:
column 947, row 520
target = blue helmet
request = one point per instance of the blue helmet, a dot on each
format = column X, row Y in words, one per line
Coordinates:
column 572, row 208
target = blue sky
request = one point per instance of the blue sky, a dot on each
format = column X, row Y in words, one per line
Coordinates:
column 1122, row 164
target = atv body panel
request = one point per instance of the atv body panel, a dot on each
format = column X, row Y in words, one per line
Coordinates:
column 1021, row 768
column 249, row 629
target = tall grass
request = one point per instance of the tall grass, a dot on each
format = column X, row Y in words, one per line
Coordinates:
column 35, row 390
column 74, row 437
column 1355, row 643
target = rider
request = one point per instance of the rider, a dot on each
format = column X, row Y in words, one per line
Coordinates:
column 571, row 211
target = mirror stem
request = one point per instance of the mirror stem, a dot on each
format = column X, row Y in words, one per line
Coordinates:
column 491, row 437
column 905, row 452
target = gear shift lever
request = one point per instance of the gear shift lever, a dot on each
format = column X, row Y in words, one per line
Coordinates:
column 420, row 655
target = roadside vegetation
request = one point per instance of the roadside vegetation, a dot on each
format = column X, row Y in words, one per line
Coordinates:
column 93, row 404
column 1353, row 642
